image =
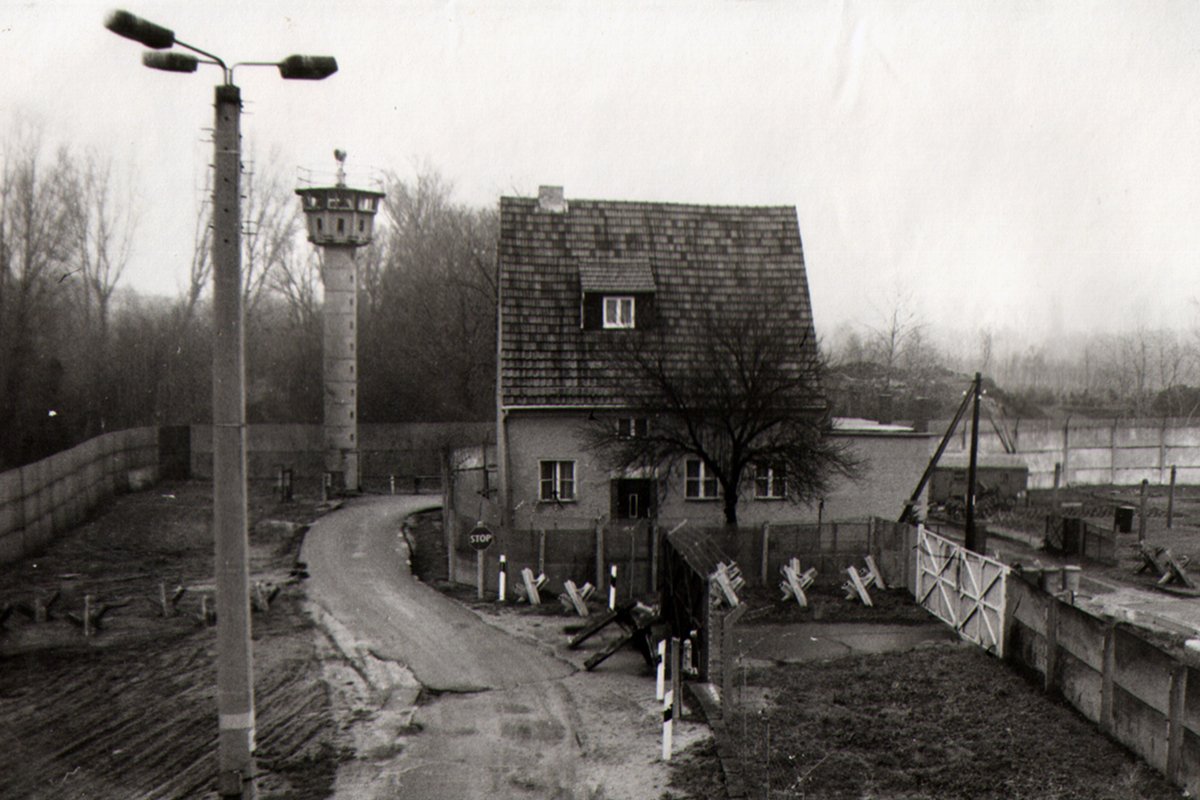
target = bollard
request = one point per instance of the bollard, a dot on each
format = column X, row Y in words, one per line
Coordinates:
column 87, row 615
column 392, row 484
column 667, row 714
column 612, row 587
column 503, row 577
column 661, row 673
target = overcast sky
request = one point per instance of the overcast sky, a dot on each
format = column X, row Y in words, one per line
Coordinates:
column 1033, row 165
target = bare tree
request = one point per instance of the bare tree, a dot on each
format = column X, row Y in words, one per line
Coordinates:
column 35, row 251
column 750, row 404
column 897, row 326
column 101, row 222
column 430, row 301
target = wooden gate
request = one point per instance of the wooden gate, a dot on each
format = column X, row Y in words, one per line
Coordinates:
column 963, row 589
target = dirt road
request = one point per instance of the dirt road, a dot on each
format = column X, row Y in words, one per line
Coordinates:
column 495, row 715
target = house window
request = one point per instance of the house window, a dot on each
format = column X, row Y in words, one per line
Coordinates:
column 770, row 483
column 557, row 481
column 701, row 484
column 632, row 427
column 618, row 312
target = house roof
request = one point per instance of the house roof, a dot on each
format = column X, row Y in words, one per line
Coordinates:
column 696, row 258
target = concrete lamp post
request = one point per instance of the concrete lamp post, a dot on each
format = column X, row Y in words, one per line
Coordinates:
column 235, row 671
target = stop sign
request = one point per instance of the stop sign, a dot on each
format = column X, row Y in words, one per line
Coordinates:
column 481, row 538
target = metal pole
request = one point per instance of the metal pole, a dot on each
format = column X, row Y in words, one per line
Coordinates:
column 971, row 541
column 235, row 680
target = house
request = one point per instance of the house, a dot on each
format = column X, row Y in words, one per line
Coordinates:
column 576, row 276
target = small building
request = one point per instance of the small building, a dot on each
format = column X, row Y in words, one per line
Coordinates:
column 1000, row 476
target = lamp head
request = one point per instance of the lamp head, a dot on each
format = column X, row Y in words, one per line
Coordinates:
column 140, row 30
column 170, row 62
column 307, row 68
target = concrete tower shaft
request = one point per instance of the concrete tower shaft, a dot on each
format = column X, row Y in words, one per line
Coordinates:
column 340, row 220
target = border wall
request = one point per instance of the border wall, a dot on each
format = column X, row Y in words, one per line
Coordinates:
column 405, row 450
column 1122, row 452
column 1136, row 691
column 1142, row 693
column 42, row 499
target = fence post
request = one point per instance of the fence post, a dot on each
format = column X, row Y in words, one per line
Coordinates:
column 1175, row 720
column 766, row 552
column 632, row 550
column 1142, row 511
column 676, row 677
column 1171, row 499
column 1051, row 644
column 541, row 552
column 654, row 545
column 1107, row 667
column 599, row 554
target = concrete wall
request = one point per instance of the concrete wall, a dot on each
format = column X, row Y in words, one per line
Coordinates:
column 44, row 498
column 1120, row 452
column 1143, row 696
column 409, row 449
column 893, row 465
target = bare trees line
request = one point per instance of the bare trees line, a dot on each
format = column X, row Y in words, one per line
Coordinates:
column 81, row 354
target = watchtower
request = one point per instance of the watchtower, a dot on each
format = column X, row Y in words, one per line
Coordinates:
column 340, row 220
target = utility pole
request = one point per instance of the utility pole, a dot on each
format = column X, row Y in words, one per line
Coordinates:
column 972, row 539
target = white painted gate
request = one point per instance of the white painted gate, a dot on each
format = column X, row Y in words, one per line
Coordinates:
column 963, row 589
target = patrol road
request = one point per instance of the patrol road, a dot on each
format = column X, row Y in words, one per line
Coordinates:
column 497, row 719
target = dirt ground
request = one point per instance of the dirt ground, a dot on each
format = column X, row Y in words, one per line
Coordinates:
column 131, row 711
column 940, row 721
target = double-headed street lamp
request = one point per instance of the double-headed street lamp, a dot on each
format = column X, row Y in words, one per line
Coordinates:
column 235, row 672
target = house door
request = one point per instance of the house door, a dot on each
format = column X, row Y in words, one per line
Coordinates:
column 633, row 498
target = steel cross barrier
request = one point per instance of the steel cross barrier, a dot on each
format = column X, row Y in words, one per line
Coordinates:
column 795, row 582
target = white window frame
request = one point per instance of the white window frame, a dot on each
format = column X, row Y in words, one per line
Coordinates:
column 769, row 484
column 618, row 304
column 704, row 486
column 561, row 476
column 633, row 427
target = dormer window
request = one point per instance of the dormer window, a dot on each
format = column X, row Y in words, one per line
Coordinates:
column 616, row 294
column 618, row 312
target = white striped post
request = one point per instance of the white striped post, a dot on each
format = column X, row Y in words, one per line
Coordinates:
column 667, row 714
column 660, row 677
column 612, row 587
column 503, row 577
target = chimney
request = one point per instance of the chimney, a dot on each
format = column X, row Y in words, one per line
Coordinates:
column 550, row 200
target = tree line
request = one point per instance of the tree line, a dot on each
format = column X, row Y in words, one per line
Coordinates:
column 899, row 359
column 81, row 354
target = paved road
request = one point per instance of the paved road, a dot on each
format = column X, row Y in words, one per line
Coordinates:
column 358, row 561
column 502, row 721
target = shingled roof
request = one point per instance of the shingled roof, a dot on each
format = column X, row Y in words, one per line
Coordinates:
column 692, row 257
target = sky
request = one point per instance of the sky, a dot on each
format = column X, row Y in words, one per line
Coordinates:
column 1022, row 166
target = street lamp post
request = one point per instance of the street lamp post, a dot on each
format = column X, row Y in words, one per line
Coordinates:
column 235, row 670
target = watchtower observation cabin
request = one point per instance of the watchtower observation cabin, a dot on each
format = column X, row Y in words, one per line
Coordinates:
column 340, row 220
